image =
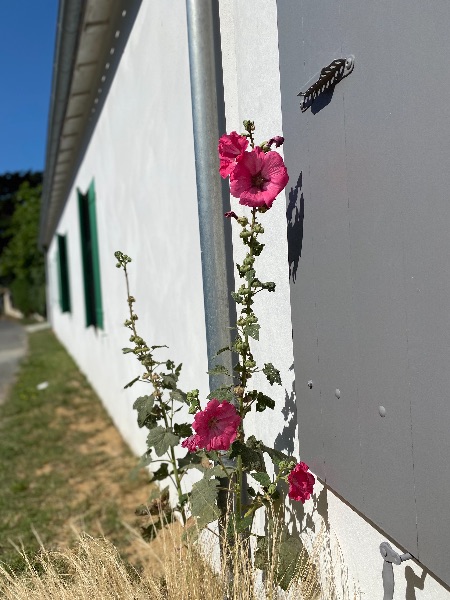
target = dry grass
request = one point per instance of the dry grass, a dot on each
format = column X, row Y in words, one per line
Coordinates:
column 94, row 569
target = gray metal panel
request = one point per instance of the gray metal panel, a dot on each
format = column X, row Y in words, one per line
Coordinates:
column 376, row 229
column 369, row 248
column 352, row 269
column 423, row 149
column 321, row 292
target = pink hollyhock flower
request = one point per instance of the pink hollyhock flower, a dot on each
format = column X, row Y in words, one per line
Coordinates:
column 301, row 483
column 191, row 443
column 216, row 426
column 231, row 147
column 258, row 178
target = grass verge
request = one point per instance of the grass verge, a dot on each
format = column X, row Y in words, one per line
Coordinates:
column 64, row 467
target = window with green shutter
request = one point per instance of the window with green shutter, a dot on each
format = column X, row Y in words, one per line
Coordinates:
column 63, row 274
column 90, row 258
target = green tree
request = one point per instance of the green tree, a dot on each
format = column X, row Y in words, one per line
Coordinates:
column 9, row 186
column 22, row 266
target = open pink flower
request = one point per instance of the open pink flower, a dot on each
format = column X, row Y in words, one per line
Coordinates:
column 231, row 147
column 301, row 483
column 191, row 443
column 216, row 427
column 258, row 178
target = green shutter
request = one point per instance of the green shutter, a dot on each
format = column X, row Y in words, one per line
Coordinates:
column 85, row 259
column 95, row 257
column 63, row 275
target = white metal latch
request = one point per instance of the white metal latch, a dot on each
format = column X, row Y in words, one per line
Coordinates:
column 329, row 77
column 391, row 557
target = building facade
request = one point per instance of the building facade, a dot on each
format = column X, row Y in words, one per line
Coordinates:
column 357, row 326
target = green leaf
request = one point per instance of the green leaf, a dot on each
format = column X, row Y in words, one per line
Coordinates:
column 262, row 556
column 161, row 439
column 161, row 473
column 277, row 456
column 262, row 478
column 272, row 374
column 145, row 459
column 289, row 554
column 222, row 393
column 169, row 381
column 218, row 370
column 178, row 395
column 191, row 460
column 253, row 330
column 204, row 501
column 144, row 405
column 132, row 382
column 269, row 286
column 182, row 429
column 257, row 248
column 263, row 402
column 127, row 350
column 193, row 401
column 216, row 471
column 224, row 349
column 252, row 460
column 237, row 297
column 236, row 524
column 249, row 275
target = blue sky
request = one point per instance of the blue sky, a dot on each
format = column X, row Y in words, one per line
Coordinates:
column 27, row 42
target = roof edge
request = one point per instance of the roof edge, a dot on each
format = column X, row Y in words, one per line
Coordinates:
column 70, row 19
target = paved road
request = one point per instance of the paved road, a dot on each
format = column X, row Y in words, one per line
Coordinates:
column 13, row 346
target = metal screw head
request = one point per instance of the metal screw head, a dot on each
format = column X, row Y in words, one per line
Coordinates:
column 382, row 411
column 337, row 393
column 310, row 384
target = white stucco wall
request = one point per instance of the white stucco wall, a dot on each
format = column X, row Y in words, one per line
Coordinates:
column 252, row 91
column 142, row 159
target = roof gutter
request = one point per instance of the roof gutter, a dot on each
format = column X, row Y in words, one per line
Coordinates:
column 70, row 17
column 208, row 115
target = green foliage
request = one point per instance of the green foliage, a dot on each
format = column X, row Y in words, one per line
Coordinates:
column 252, row 459
column 218, row 370
column 262, row 478
column 144, row 407
column 203, row 501
column 222, row 393
column 9, row 200
column 161, row 439
column 272, row 374
column 190, row 460
column 182, row 429
column 252, row 330
column 22, row 266
column 132, row 382
column 193, row 401
column 286, row 553
column 161, row 473
column 263, row 402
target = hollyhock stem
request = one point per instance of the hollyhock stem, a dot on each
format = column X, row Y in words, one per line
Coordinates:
column 245, row 371
column 158, row 394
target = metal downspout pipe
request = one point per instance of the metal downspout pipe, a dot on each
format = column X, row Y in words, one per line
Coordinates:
column 208, row 115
